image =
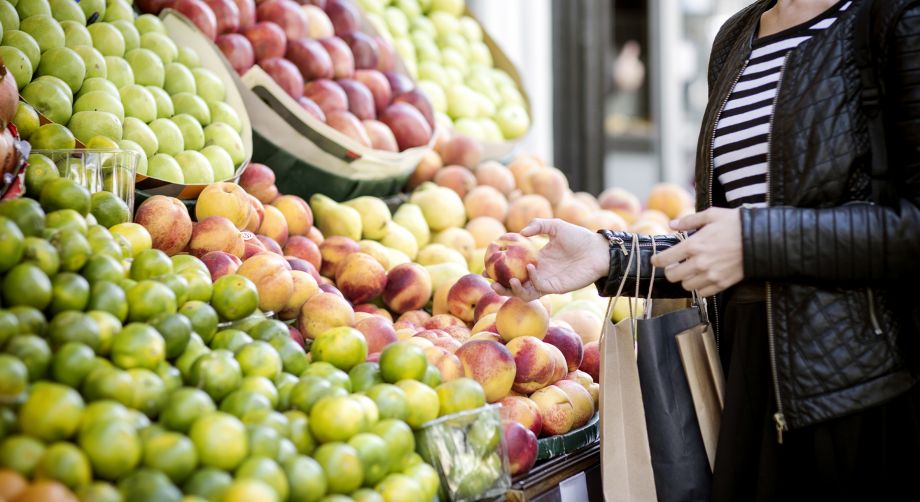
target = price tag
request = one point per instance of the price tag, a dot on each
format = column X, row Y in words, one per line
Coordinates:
column 574, row 489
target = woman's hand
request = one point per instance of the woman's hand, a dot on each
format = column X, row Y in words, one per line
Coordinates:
column 711, row 260
column 574, row 258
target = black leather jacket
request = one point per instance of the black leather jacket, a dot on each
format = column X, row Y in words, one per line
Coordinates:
column 835, row 265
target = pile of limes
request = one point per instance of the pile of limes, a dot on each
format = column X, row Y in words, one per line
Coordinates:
column 120, row 380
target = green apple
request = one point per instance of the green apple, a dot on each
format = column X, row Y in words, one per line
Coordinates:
column 444, row 22
column 501, row 77
column 490, row 131
column 425, row 5
column 222, row 112
column 127, row 144
column 59, row 83
column 52, row 136
column 85, row 125
column 513, row 121
column 26, row 120
column 118, row 9
column 210, row 87
column 9, row 18
column 161, row 44
column 481, row 83
column 178, row 78
column 192, row 132
column 443, row 120
column 91, row 7
column 435, row 94
column 188, row 57
column 169, row 137
column 378, row 23
column 371, row 6
column 147, row 67
column 147, row 23
column 100, row 101
column 452, row 58
column 432, row 71
column 470, row 127
column 129, row 32
column 24, row 42
column 486, row 106
column 404, row 48
column 164, row 102
column 480, row 54
column 118, row 71
column 422, row 23
column 470, row 29
column 93, row 61
column 138, row 102
column 18, row 64
column 451, row 7
column 454, row 41
column 195, row 167
column 221, row 163
column 49, row 99
column 427, row 50
column 454, row 76
column 142, row 134
column 397, row 21
column 510, row 95
column 410, row 7
column 64, row 64
column 224, row 135
column 164, row 167
column 193, row 105
column 76, row 34
column 27, row 8
column 99, row 84
column 68, row 10
column 45, row 30
column 107, row 39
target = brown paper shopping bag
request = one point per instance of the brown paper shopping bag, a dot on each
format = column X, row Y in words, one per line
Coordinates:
column 701, row 362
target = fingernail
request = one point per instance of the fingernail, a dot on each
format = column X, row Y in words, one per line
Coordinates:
column 674, row 223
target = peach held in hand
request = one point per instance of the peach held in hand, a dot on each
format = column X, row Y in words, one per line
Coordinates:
column 508, row 258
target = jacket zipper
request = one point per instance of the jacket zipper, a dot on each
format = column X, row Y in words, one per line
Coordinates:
column 872, row 317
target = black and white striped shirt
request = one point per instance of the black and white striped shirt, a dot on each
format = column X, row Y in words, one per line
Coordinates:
column 742, row 133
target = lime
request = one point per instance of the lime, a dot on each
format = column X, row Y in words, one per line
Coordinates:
column 230, row 339
column 432, row 376
column 136, row 235
column 170, row 375
column 14, row 377
column 398, row 437
column 220, row 440
column 284, row 384
column 240, row 402
column 484, row 435
column 26, row 284
column 392, row 401
column 336, row 418
column 41, row 170
column 261, row 385
column 11, row 244
column 106, row 296
column 183, row 406
column 69, row 291
column 427, row 478
column 460, row 395
column 150, row 263
column 195, row 349
column 401, row 488
column 267, row 471
column 102, row 267
column 147, row 485
column 149, row 298
column 342, row 465
column 207, row 483
column 186, row 262
column 61, row 193
column 33, row 351
column 293, row 357
column 52, row 136
column 371, row 414
column 267, row 418
column 343, row 347
column 65, row 463
column 109, row 326
column 103, row 411
column 71, row 363
column 259, row 359
column 335, row 376
column 402, row 361
column 112, row 446
column 74, row 326
column 99, row 491
column 172, row 454
column 203, row 318
column 179, row 286
column 72, row 247
column 21, row 454
column 9, row 326
column 481, row 477
column 364, row 376
column 306, row 479
column 423, row 402
column 27, row 214
column 149, row 391
column 176, row 330
column 306, row 392
column 109, row 209
column 217, row 373
column 264, row 441
column 267, row 329
column 102, row 242
column 234, row 297
column 372, row 450
column 299, row 432
column 246, row 490
column 65, row 218
column 286, row 451
column 199, row 285
column 105, row 382
column 40, row 252
column 138, row 346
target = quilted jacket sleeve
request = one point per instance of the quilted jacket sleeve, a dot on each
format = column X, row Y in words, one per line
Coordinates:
column 856, row 243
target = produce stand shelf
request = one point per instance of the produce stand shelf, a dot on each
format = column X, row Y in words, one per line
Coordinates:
column 547, row 480
column 554, row 446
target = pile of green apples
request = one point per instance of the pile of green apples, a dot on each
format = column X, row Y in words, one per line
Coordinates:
column 444, row 50
column 108, row 79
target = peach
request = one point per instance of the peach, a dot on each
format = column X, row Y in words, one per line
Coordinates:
column 535, row 363
column 296, row 336
column 420, row 342
column 568, row 343
column 372, row 309
column 595, row 389
column 457, row 178
column 508, row 257
column 377, row 250
column 591, row 362
column 620, row 201
column 520, row 318
column 556, row 410
column 445, row 361
column 274, row 225
column 487, row 335
column 408, row 288
column 458, row 239
column 303, row 266
column 425, row 170
column 573, row 211
column 434, row 254
column 605, row 220
column 449, row 343
column 442, row 321
column 333, row 250
column 360, row 277
column 272, row 277
column 259, row 181
column 522, row 447
column 404, row 334
column 525, row 209
column 485, row 323
column 269, row 244
column 488, row 304
column 224, row 199
column 462, row 150
column 296, row 212
column 314, row 234
column 220, row 263
column 377, row 331
column 561, row 364
column 485, row 229
column 485, row 201
column 584, row 323
column 489, row 363
column 431, row 334
column 581, row 377
column 465, row 295
column 439, row 300
column 649, row 227
column 167, row 221
column 495, row 175
column 360, row 316
column 520, row 168
column 304, row 288
column 461, row 333
column 588, row 200
column 581, row 399
column 305, row 249
column 416, row 317
column 252, row 246
column 216, row 233
column 523, row 410
column 670, row 199
column 256, row 216
column 550, row 183
column 322, row 312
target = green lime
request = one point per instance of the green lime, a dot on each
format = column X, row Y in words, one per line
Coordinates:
column 391, row 401
column 9, row 326
column 402, row 361
column 343, row 347
column 103, row 242
column 106, row 382
column 147, row 485
column 40, row 252
column 11, row 244
column 149, row 264
column 172, row 454
column 109, row 209
column 108, row 297
column 21, row 453
column 51, row 412
column 263, row 386
column 64, row 218
column 307, row 391
column 208, row 483
column 41, row 170
column 432, row 376
column 69, row 291
column 104, row 411
column 299, row 432
column 61, row 193
column 267, row 418
column 73, row 249
column 267, row 329
column 53, row 136
column 234, row 297
column 71, row 363
column 14, row 377
column 99, row 491
column 195, row 349
column 333, row 375
column 102, row 267
column 284, row 384
column 148, row 299
column 267, row 471
column 186, row 262
column 220, row 440
column 26, row 213
column 109, row 326
column 240, row 402
column 138, row 346
column 112, row 446
column 306, row 478
column 170, row 375
column 183, row 406
column 203, row 317
column 217, row 373
column 199, row 285
column 178, row 285
column 336, row 418
column 460, row 394
column 33, row 351
column 176, row 330
column 26, row 285
column 31, row 320
column 149, row 391
column 74, row 326
column 342, row 465
column 372, row 450
column 364, row 376
column 230, row 339
column 293, row 357
column 65, row 463
column 399, row 438
column 259, row 359
column 264, row 441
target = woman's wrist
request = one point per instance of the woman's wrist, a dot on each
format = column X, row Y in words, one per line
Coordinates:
column 600, row 256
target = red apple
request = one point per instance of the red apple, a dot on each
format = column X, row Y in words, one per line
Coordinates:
column 417, row 98
column 199, row 14
column 360, row 99
column 327, row 94
column 381, row 136
column 285, row 13
column 310, row 58
column 344, row 16
column 285, row 74
column 312, row 108
column 349, row 125
column 379, row 86
column 399, row 82
column 364, row 48
column 227, row 14
column 386, row 55
column 343, row 61
column 408, row 125
column 267, row 39
column 237, row 50
column 247, row 10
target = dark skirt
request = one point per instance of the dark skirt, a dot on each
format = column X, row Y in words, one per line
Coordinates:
column 873, row 454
